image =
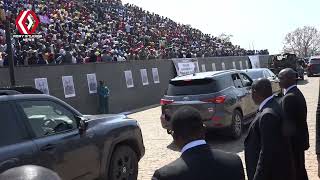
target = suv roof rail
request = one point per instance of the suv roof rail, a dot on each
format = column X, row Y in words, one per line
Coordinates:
column 21, row 90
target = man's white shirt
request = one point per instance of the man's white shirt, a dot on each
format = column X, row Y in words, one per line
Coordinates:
column 193, row 144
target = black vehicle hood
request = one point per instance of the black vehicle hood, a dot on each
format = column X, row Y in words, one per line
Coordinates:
column 104, row 116
column 109, row 119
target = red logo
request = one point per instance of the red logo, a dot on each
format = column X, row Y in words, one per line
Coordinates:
column 27, row 22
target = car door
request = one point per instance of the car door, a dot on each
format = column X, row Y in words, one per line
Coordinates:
column 247, row 82
column 16, row 147
column 241, row 93
column 61, row 147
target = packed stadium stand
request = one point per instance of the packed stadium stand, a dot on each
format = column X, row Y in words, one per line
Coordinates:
column 85, row 31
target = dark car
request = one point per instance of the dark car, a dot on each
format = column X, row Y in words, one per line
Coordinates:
column 313, row 66
column 42, row 130
column 222, row 97
column 255, row 74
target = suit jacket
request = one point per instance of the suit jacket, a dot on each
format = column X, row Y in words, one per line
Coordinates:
column 202, row 163
column 267, row 151
column 295, row 113
column 318, row 128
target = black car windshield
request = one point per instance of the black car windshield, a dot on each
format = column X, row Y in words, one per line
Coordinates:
column 315, row 61
column 192, row 87
column 255, row 74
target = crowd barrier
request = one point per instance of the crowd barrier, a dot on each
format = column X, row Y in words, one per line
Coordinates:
column 144, row 89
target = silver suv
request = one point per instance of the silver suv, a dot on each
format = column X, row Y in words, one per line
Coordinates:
column 222, row 97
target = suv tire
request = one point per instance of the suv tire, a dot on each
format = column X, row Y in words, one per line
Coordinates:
column 236, row 126
column 309, row 75
column 123, row 164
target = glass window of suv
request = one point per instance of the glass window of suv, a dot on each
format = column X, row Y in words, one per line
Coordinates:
column 315, row 61
column 271, row 73
column 48, row 118
column 237, row 81
column 266, row 74
column 11, row 130
column 255, row 74
column 193, row 87
column 246, row 80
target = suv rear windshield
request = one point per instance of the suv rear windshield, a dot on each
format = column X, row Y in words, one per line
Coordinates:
column 315, row 61
column 195, row 87
column 255, row 74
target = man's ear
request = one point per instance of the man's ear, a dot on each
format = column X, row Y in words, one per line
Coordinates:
column 203, row 131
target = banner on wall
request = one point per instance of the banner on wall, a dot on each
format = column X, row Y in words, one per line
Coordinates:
column 203, row 67
column 144, row 77
column 186, row 66
column 92, row 83
column 155, row 75
column 68, row 86
column 42, row 85
column 129, row 79
column 255, row 62
column 241, row 65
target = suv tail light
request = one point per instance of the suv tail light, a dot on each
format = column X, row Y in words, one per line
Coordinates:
column 165, row 102
column 216, row 100
column 310, row 66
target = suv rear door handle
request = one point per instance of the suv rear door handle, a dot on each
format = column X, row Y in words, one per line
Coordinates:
column 48, row 147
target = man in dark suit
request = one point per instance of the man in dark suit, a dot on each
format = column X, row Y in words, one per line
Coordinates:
column 267, row 150
column 295, row 114
column 198, row 160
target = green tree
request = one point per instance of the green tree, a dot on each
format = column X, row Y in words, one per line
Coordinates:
column 304, row 42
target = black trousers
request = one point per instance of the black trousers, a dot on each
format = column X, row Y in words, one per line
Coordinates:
column 299, row 161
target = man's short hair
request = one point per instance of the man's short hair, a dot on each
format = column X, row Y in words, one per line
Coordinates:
column 262, row 87
column 289, row 73
column 186, row 122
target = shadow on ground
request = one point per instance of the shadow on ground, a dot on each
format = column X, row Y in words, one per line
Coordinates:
column 218, row 141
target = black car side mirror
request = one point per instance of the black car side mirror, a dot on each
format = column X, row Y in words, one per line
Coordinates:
column 248, row 84
column 82, row 124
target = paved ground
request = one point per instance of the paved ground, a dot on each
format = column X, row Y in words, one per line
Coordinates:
column 160, row 151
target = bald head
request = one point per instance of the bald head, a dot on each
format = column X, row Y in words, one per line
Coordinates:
column 288, row 77
column 261, row 90
column 288, row 73
column 262, row 87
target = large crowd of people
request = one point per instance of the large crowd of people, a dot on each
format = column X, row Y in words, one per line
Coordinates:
column 84, row 31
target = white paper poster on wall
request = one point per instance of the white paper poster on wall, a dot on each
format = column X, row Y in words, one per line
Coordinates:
column 223, row 66
column 42, row 85
column 68, row 86
column 247, row 64
column 129, row 79
column 155, row 75
column 255, row 62
column 241, row 66
column 214, row 67
column 203, row 67
column 186, row 66
column 92, row 83
column 234, row 65
column 144, row 77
